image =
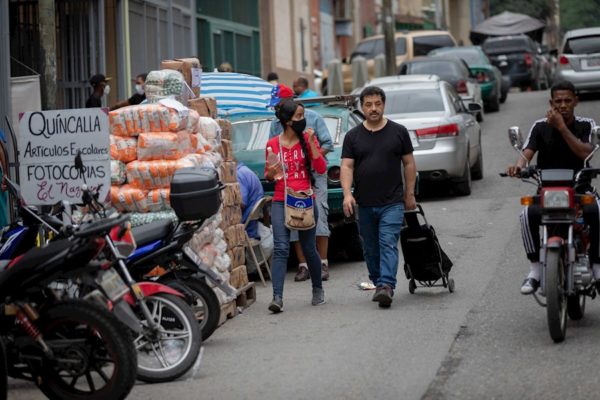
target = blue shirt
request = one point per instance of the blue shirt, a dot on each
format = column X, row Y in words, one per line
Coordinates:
column 308, row 93
column 313, row 120
column 4, row 220
column 252, row 192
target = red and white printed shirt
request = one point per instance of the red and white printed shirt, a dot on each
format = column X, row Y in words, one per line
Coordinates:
column 297, row 176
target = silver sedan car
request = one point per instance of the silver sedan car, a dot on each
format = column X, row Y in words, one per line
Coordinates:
column 444, row 132
column 579, row 59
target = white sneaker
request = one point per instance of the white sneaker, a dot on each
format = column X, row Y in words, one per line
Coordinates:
column 529, row 286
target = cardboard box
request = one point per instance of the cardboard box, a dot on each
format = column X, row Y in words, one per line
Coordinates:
column 239, row 277
column 235, row 236
column 237, row 255
column 232, row 195
column 226, row 150
column 225, row 128
column 191, row 70
column 228, row 172
column 231, row 215
column 205, row 106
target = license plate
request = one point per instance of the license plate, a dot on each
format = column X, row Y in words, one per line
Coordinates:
column 502, row 57
column 413, row 138
column 503, row 63
column 590, row 63
column 112, row 284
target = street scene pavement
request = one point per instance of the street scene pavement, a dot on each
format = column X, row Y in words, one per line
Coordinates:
column 485, row 341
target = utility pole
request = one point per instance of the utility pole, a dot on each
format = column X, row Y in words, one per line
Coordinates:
column 388, row 32
column 47, row 26
column 5, row 104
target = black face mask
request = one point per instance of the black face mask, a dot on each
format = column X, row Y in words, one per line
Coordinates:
column 299, row 126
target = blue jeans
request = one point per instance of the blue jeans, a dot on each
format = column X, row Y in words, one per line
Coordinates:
column 379, row 229
column 281, row 239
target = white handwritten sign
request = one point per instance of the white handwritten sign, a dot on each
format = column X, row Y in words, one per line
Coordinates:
column 48, row 144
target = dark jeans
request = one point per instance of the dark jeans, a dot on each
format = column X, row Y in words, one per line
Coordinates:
column 281, row 239
column 531, row 219
column 380, row 232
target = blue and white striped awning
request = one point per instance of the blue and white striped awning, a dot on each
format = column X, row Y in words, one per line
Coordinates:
column 237, row 93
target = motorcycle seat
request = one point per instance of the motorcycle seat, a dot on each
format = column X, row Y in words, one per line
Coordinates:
column 151, row 232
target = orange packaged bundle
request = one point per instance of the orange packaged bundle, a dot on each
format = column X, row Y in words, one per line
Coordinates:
column 128, row 198
column 151, row 174
column 123, row 149
column 153, row 117
column 133, row 120
column 193, row 118
column 200, row 144
column 164, row 146
column 158, row 199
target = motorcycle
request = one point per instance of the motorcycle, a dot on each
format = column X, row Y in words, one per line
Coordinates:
column 71, row 349
column 566, row 276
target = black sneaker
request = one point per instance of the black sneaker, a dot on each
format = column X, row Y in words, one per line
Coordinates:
column 529, row 286
column 276, row 305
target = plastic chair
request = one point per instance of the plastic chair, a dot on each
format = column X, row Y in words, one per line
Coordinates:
column 253, row 244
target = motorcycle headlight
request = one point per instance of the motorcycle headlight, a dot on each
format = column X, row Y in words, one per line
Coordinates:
column 557, row 199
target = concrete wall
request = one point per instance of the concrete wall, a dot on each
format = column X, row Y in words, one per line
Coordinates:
column 459, row 20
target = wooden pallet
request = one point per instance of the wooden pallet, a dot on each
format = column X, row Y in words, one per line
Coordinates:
column 228, row 311
column 246, row 295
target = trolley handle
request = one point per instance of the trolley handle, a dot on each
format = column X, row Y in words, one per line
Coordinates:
column 418, row 210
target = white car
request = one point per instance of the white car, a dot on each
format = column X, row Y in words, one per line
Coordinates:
column 444, row 132
column 579, row 59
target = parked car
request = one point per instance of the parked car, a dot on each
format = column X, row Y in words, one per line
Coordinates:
column 493, row 92
column 517, row 56
column 451, row 69
column 579, row 59
column 409, row 44
column 444, row 133
column 249, row 140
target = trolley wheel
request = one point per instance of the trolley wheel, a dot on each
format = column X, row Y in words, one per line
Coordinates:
column 412, row 286
column 451, row 285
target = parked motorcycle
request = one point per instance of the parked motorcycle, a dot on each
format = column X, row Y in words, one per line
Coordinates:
column 71, row 349
column 566, row 278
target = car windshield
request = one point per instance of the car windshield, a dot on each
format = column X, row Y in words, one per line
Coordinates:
column 413, row 101
column 253, row 135
column 505, row 46
column 250, row 135
column 446, row 70
column 471, row 56
column 424, row 44
column 583, row 45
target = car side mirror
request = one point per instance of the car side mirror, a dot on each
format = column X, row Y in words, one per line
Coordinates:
column 474, row 108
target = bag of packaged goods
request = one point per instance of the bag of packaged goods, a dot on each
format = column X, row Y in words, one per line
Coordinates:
column 123, row 148
column 166, row 83
column 153, row 117
column 192, row 122
column 118, row 172
column 158, row 199
column 164, row 145
column 209, row 128
column 216, row 159
column 157, row 174
column 139, row 219
column 128, row 198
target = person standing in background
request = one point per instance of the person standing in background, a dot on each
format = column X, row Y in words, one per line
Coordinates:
column 138, row 97
column 101, row 88
column 301, row 89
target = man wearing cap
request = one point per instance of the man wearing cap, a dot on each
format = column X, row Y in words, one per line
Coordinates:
column 100, row 85
column 316, row 122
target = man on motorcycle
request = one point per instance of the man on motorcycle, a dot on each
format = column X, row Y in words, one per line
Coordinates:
column 562, row 141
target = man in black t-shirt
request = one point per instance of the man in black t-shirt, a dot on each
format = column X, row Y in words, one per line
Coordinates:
column 138, row 96
column 373, row 156
column 100, row 86
column 561, row 141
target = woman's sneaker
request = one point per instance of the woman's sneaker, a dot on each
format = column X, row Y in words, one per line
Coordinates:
column 276, row 305
column 318, row 297
column 529, row 286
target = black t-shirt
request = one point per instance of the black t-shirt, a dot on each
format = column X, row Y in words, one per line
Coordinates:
column 93, row 101
column 552, row 150
column 377, row 163
column 136, row 99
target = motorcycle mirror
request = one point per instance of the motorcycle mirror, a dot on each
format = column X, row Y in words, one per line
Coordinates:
column 515, row 137
column 596, row 136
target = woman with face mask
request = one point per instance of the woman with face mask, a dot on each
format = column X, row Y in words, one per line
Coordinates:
column 298, row 152
column 138, row 97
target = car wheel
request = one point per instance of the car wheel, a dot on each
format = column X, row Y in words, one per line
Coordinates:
column 503, row 97
column 477, row 170
column 479, row 116
column 494, row 105
column 463, row 186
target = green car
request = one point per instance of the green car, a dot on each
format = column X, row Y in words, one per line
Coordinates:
column 251, row 133
column 494, row 88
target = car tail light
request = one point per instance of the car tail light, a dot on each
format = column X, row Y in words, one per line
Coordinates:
column 334, row 174
column 528, row 59
column 438, row 131
column 482, row 77
column 563, row 60
column 461, row 86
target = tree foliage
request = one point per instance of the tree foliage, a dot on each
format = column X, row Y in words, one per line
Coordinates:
column 540, row 9
column 579, row 14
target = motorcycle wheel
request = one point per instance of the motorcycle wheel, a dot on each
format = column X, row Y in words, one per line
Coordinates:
column 556, row 300
column 169, row 353
column 94, row 358
column 576, row 306
column 206, row 305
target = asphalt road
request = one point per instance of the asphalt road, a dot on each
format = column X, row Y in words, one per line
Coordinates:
column 485, row 341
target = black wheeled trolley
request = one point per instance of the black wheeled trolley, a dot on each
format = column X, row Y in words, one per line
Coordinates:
column 424, row 260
